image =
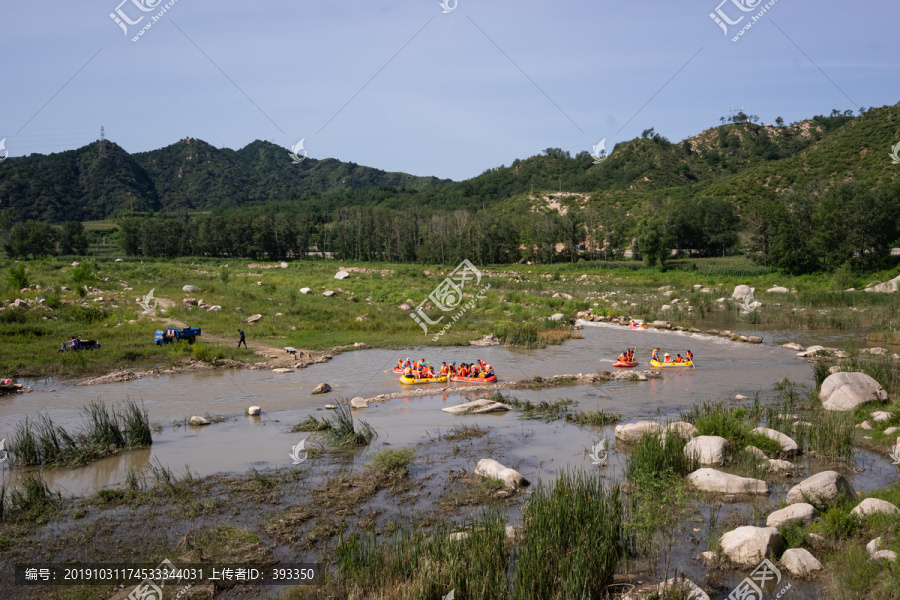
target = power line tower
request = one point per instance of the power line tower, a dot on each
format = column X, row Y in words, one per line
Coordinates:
column 102, row 139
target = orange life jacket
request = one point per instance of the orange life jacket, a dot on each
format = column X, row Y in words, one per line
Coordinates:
column 678, row 359
column 463, row 371
column 445, row 369
column 407, row 371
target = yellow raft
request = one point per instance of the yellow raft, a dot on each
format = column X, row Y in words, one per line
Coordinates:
column 414, row 381
column 661, row 365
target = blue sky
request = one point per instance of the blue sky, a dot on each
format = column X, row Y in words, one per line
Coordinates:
column 455, row 94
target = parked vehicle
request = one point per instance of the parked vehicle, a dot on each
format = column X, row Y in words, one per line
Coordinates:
column 77, row 344
column 170, row 335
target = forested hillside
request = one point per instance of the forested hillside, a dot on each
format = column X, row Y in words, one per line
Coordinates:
column 817, row 194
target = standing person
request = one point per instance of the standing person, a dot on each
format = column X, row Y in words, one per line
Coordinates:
column 242, row 340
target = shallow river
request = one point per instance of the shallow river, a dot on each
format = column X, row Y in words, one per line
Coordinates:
column 724, row 368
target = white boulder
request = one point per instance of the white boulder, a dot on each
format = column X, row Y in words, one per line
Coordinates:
column 756, row 452
column 342, row 275
column 682, row 428
column 822, row 488
column 632, row 432
column 491, row 468
column 707, row 449
column 788, row 446
column 282, row 370
column 254, row 411
column 874, row 506
column 747, row 546
column 800, row 563
column 197, row 421
column 711, row 480
column 778, row 290
column 557, row 317
column 190, row 288
column 888, row 287
column 792, row 346
column 740, row 292
column 305, row 291
column 880, row 416
column 477, row 407
column 801, row 512
column 845, row 391
column 328, row 293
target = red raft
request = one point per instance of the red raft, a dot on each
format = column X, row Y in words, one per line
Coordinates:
column 622, row 364
column 398, row 370
column 490, row 379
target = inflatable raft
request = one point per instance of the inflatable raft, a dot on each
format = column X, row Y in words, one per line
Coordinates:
column 490, row 379
column 620, row 363
column 661, row 365
column 398, row 370
column 414, row 381
column 637, row 325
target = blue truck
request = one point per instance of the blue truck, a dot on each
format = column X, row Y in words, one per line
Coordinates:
column 168, row 336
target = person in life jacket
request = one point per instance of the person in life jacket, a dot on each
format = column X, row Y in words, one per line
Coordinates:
column 678, row 358
column 445, row 370
column 427, row 373
column 463, row 370
column 690, row 356
column 488, row 370
column 655, row 355
column 473, row 372
column 668, row 358
column 622, row 357
column 453, row 369
column 400, row 363
column 408, row 371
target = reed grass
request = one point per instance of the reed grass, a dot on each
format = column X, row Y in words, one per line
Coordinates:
column 105, row 431
column 391, row 461
column 574, row 539
column 32, row 496
column 596, row 418
column 310, row 423
column 413, row 564
column 543, row 410
column 342, row 431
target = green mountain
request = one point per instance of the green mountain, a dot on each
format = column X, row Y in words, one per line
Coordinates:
column 738, row 161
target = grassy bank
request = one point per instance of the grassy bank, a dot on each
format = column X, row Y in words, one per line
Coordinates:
column 367, row 306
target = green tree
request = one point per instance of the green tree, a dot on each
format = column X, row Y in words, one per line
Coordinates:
column 72, row 239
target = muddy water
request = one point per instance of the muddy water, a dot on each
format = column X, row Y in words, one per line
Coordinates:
column 725, row 368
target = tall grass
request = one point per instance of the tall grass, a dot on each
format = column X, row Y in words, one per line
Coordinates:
column 731, row 423
column 105, row 431
column 831, row 435
column 32, row 496
column 657, row 458
column 343, row 433
column 574, row 539
column 414, row 565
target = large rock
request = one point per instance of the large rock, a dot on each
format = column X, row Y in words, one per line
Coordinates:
column 707, row 449
column 254, row 411
column 788, row 446
column 189, row 302
column 874, row 506
column 800, row 512
column 792, row 346
column 800, row 563
column 884, row 555
column 305, row 291
column 740, row 292
column 253, row 319
column 491, row 468
column 888, row 287
column 322, row 388
column 778, row 290
column 359, row 402
column 756, row 452
column 197, row 421
column 747, row 546
column 880, row 416
column 710, row 480
column 557, row 317
column 342, row 275
column 282, row 370
column 190, row 288
column 845, row 391
column 821, row 488
column 632, row 432
column 477, row 407
column 811, row 351
column 328, row 293
column 682, row 428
